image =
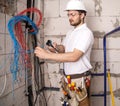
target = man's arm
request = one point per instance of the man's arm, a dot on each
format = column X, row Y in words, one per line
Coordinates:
column 60, row 57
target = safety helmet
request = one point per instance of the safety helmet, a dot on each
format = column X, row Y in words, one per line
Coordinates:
column 75, row 5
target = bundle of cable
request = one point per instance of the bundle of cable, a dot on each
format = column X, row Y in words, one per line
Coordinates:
column 15, row 31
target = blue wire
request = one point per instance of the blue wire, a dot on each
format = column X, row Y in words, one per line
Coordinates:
column 11, row 24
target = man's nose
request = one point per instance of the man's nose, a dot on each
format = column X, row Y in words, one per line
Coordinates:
column 70, row 17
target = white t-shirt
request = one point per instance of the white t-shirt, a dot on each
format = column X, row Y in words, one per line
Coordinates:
column 82, row 39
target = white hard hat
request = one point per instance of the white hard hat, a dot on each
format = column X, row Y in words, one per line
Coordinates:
column 75, row 5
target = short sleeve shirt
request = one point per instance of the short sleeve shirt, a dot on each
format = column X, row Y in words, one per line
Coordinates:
column 82, row 39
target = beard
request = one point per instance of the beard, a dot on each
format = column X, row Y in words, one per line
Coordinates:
column 73, row 23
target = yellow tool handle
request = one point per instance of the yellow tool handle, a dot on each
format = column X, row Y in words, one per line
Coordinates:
column 111, row 91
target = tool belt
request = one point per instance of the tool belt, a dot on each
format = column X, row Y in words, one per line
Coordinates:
column 75, row 76
column 74, row 93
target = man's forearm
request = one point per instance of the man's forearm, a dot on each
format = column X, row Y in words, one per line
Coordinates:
column 65, row 57
column 60, row 57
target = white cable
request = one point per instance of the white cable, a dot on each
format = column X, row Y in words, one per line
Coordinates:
column 3, row 89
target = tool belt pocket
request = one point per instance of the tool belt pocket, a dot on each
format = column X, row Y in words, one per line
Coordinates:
column 80, row 95
column 72, row 93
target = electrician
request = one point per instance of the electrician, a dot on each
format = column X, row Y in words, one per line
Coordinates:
column 75, row 50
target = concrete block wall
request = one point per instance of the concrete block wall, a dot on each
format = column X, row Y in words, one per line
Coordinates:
column 17, row 96
column 102, row 17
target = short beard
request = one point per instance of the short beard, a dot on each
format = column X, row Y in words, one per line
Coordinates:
column 76, row 24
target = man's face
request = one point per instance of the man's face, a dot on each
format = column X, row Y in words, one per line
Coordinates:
column 74, row 17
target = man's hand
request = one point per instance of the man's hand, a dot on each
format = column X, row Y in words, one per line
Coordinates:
column 41, row 53
column 54, row 48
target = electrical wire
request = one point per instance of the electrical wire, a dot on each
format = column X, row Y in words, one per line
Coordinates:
column 36, row 74
column 19, row 32
column 36, row 70
column 11, row 24
column 35, row 10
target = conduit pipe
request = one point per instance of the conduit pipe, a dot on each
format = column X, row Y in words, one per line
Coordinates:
column 105, row 66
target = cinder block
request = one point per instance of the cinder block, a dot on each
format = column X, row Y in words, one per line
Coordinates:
column 96, row 43
column 100, row 101
column 2, row 44
column 90, row 7
column 53, row 67
column 98, row 67
column 117, row 83
column 21, row 5
column 55, row 80
column 111, row 43
column 114, row 67
column 100, row 41
column 97, row 101
column 52, row 74
column 97, row 55
column 108, row 9
column 63, row 4
column 5, row 61
column 97, row 85
column 51, row 8
column 47, row 81
column 101, row 25
column 109, row 101
column 9, row 85
column 52, row 80
column 117, row 101
column 9, row 45
column 17, row 100
column 7, row 20
column 55, row 26
column 53, row 98
column 112, row 55
column 98, row 7
column 2, row 23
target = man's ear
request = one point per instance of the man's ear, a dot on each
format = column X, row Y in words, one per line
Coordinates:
column 82, row 15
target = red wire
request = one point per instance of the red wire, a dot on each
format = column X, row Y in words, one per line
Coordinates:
column 33, row 10
column 20, row 36
column 21, row 40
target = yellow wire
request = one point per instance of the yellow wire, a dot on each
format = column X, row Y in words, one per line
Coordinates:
column 111, row 91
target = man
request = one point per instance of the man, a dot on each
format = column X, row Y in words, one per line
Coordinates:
column 76, row 48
